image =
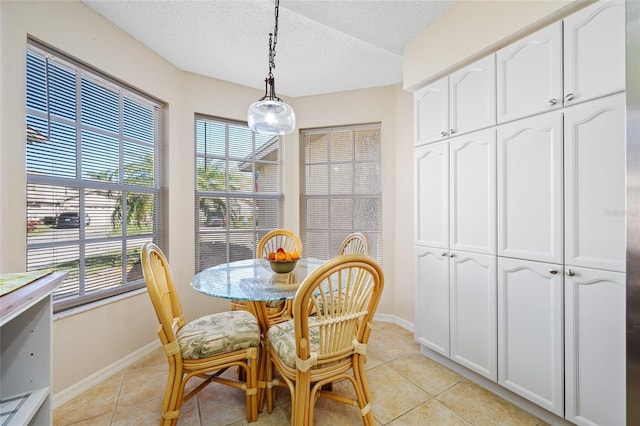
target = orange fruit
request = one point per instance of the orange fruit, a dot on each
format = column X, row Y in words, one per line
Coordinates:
column 295, row 255
column 287, row 256
column 271, row 256
column 280, row 257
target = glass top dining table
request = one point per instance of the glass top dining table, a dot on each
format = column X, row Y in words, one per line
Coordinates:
column 252, row 280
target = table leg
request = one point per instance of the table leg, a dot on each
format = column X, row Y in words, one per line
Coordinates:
column 259, row 310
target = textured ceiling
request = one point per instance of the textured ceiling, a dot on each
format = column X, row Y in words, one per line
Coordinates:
column 323, row 46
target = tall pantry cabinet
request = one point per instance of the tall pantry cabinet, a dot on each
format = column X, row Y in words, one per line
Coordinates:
column 455, row 221
column 519, row 221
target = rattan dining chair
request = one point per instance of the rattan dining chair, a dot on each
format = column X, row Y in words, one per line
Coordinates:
column 355, row 243
column 312, row 351
column 273, row 240
column 204, row 347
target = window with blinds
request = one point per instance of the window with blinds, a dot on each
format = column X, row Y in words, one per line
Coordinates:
column 93, row 164
column 238, row 190
column 341, row 183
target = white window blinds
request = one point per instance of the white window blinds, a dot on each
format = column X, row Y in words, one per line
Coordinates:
column 93, row 164
column 238, row 190
column 341, row 183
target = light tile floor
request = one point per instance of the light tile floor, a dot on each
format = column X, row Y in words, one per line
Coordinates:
column 407, row 389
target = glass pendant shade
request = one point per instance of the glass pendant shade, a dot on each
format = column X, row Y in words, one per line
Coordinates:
column 271, row 116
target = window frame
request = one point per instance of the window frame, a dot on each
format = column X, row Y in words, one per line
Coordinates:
column 93, row 284
column 258, row 224
column 335, row 235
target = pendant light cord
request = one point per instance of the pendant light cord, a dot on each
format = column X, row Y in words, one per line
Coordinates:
column 269, row 82
column 273, row 40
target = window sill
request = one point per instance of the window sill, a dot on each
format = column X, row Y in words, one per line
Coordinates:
column 100, row 303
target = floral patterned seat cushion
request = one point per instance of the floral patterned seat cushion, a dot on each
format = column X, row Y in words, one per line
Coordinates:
column 217, row 334
column 282, row 337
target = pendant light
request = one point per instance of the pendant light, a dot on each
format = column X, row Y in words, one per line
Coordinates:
column 270, row 115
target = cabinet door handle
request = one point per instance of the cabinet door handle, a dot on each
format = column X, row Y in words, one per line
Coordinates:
column 553, row 271
column 569, row 97
column 451, row 131
column 553, row 101
column 570, row 273
column 443, row 253
column 443, row 133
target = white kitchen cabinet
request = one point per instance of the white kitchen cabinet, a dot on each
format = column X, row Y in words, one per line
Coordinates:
column 530, row 331
column 460, row 173
column 455, row 193
column 473, row 319
column 25, row 351
column 472, row 97
column 594, row 144
column 431, row 172
column 594, row 51
column 530, row 177
column 431, row 109
column 432, row 298
column 457, row 104
column 595, row 347
column 529, row 75
column 472, row 199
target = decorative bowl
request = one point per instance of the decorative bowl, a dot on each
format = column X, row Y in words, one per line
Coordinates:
column 282, row 267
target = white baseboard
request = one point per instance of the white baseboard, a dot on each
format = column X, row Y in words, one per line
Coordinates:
column 88, row 382
column 394, row 319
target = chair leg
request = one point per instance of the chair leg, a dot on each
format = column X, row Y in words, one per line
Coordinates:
column 300, row 403
column 269, row 387
column 252, row 385
column 172, row 395
column 362, row 390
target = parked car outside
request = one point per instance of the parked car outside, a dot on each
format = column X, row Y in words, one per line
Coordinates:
column 71, row 220
column 216, row 219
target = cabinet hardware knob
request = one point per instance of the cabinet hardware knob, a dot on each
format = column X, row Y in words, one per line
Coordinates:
column 553, row 101
column 443, row 253
column 553, row 271
column 570, row 273
column 569, row 97
column 452, row 255
column 452, row 131
column 443, row 133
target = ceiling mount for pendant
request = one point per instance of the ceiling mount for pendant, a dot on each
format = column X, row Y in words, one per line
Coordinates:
column 270, row 115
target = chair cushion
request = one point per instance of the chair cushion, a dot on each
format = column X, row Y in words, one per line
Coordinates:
column 282, row 337
column 217, row 334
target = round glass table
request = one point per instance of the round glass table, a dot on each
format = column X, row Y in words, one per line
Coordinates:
column 252, row 280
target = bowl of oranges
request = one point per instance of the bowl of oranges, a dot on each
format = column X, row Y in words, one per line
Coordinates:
column 282, row 261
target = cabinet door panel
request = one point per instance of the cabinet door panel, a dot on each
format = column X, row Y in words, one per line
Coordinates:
column 432, row 299
column 431, row 170
column 594, row 46
column 530, row 328
column 474, row 312
column 595, row 347
column 530, row 188
column 473, row 195
column 472, row 94
column 529, row 74
column 431, row 105
column 595, row 184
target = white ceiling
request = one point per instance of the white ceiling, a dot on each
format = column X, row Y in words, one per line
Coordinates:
column 323, row 46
